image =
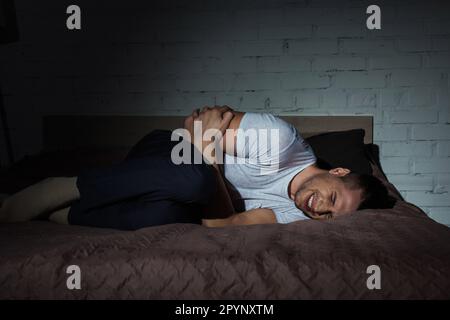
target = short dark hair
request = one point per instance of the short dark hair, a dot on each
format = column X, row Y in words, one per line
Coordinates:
column 374, row 193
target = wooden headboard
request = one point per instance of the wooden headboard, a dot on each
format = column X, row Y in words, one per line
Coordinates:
column 63, row 131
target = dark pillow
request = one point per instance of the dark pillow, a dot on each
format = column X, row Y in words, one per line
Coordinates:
column 341, row 149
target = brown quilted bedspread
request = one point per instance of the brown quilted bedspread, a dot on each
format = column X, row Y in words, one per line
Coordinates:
column 302, row 260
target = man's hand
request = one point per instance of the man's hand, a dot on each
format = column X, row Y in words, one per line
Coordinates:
column 218, row 117
column 214, row 122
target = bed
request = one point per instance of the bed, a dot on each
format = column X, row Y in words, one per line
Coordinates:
column 301, row 260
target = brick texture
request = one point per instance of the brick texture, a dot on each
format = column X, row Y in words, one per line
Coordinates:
column 280, row 56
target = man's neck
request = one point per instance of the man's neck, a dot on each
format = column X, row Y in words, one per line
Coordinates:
column 301, row 177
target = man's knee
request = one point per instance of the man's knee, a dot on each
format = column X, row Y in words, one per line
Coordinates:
column 203, row 184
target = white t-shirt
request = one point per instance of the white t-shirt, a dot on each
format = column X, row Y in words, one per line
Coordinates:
column 263, row 168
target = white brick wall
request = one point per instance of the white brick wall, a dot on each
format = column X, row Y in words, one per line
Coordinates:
column 283, row 56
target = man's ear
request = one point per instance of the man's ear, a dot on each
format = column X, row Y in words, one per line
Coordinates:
column 340, row 172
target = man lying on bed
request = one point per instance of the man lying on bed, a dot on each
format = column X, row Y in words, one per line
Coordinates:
column 149, row 189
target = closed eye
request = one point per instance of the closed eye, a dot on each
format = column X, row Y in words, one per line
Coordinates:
column 333, row 198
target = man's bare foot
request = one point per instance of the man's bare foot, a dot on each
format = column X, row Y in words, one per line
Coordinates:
column 60, row 216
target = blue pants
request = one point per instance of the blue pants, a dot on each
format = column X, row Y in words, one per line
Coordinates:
column 146, row 189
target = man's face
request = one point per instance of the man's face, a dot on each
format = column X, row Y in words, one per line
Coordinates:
column 326, row 196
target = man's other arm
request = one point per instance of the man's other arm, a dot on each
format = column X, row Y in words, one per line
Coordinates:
column 255, row 216
column 230, row 134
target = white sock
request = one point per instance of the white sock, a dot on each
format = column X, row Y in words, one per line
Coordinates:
column 60, row 216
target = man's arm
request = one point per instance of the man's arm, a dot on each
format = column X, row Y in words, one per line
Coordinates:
column 216, row 118
column 230, row 137
column 227, row 127
column 220, row 203
column 255, row 216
